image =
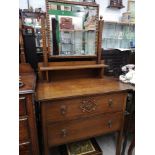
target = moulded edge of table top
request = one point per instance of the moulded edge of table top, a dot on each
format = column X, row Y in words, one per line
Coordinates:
column 79, row 87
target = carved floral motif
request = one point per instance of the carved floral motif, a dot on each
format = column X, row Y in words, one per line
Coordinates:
column 88, row 104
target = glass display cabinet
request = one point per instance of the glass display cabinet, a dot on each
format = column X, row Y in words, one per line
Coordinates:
column 32, row 25
column 72, row 28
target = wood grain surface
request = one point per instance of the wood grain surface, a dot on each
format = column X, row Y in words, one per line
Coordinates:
column 79, row 87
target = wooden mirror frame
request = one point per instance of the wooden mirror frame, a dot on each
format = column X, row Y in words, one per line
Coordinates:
column 94, row 62
column 91, row 4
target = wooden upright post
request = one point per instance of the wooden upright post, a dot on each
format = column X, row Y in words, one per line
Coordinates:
column 21, row 43
column 22, row 54
column 45, row 56
column 48, row 28
column 99, row 49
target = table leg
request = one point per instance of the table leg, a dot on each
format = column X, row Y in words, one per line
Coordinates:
column 119, row 142
column 131, row 147
column 46, row 152
column 124, row 145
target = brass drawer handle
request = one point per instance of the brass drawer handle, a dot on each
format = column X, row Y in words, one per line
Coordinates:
column 64, row 132
column 109, row 123
column 110, row 103
column 23, row 119
column 22, row 98
column 25, row 143
column 63, row 109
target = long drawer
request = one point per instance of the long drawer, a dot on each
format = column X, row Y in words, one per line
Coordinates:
column 64, row 132
column 23, row 130
column 82, row 107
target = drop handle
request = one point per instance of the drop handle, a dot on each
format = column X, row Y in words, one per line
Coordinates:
column 110, row 123
column 63, row 109
column 110, row 103
column 64, row 132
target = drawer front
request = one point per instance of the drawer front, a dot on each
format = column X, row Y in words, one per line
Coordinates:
column 83, row 107
column 23, row 130
column 22, row 106
column 26, row 152
column 25, row 149
column 64, row 132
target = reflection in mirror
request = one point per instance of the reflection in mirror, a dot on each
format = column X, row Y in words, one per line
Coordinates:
column 73, row 29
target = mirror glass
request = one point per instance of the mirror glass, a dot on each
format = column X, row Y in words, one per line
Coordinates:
column 73, row 29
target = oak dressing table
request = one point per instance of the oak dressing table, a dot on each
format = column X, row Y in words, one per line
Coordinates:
column 76, row 100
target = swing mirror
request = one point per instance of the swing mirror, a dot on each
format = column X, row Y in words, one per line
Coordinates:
column 72, row 28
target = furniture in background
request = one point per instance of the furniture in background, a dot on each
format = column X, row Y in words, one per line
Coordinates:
column 116, row 4
column 28, row 140
column 30, row 47
column 115, row 59
column 118, row 35
column 129, row 16
column 132, row 57
column 22, row 58
column 129, row 126
column 31, row 31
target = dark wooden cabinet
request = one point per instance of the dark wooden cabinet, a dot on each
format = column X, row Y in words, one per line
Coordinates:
column 28, row 141
column 115, row 59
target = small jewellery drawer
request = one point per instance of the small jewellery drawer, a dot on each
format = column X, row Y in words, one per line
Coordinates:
column 83, row 107
column 23, row 130
column 22, row 106
column 64, row 132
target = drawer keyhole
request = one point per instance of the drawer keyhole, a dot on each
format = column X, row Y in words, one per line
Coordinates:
column 63, row 109
column 110, row 103
column 110, row 123
column 64, row 132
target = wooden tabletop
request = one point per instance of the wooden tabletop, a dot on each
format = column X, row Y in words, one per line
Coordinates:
column 79, row 87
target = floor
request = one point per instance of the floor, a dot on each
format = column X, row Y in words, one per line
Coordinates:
column 106, row 143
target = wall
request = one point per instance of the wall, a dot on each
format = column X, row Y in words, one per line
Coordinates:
column 111, row 14
column 33, row 3
column 107, row 13
column 114, row 36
